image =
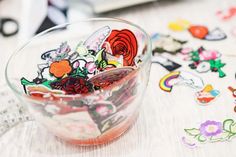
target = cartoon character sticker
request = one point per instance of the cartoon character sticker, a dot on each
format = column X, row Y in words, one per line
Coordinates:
column 207, row 95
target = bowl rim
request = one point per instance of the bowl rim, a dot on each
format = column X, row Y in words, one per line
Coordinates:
column 123, row 80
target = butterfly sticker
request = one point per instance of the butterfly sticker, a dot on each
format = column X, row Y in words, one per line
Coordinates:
column 57, row 54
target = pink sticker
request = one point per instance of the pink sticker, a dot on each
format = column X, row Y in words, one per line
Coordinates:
column 186, row 50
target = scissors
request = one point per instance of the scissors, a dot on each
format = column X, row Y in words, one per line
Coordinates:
column 5, row 23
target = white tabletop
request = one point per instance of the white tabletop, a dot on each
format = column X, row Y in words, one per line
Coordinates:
column 163, row 116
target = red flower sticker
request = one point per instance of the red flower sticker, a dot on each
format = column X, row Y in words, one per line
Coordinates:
column 123, row 42
column 71, row 85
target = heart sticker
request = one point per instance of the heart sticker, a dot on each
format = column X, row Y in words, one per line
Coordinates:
column 198, row 31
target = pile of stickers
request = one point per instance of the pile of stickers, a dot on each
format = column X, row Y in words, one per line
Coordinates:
column 201, row 60
column 71, row 80
column 204, row 94
column 204, row 60
column 198, row 31
column 166, row 44
column 111, row 53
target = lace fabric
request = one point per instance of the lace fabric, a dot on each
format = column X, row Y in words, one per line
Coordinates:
column 12, row 112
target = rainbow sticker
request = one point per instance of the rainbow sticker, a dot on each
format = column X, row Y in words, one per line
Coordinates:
column 165, row 84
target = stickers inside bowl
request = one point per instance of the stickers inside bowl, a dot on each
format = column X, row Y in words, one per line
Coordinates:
column 75, row 71
column 106, row 61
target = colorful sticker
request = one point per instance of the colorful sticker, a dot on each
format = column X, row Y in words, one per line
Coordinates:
column 186, row 50
column 123, row 42
column 57, row 54
column 233, row 90
column 226, row 14
column 165, row 43
column 216, row 66
column 215, row 35
column 60, row 68
column 72, row 85
column 165, row 62
column 69, row 70
column 166, row 83
column 206, row 55
column 179, row 25
column 213, row 131
column 205, row 60
column 207, row 95
column 198, row 31
column 180, row 78
column 103, row 111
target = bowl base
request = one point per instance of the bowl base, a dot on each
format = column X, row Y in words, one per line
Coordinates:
column 107, row 137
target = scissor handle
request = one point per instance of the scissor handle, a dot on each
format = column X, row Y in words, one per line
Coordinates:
column 4, row 21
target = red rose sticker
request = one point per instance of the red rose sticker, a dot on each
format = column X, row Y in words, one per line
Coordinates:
column 71, row 85
column 123, row 42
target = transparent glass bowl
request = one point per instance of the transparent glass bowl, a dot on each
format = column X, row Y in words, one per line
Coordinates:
column 83, row 119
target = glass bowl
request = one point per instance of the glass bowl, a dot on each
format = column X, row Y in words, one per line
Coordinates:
column 83, row 81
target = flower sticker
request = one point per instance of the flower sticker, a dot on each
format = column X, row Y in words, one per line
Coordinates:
column 213, row 131
column 123, row 42
column 60, row 68
column 72, row 85
column 105, row 109
column 211, row 128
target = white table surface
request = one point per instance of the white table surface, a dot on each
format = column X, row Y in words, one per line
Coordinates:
column 163, row 116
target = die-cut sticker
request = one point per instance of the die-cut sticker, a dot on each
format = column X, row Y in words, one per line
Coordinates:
column 215, row 35
column 165, row 62
column 207, row 95
column 212, row 131
column 165, row 83
column 198, row 31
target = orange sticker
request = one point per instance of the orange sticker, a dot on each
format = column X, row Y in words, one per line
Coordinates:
column 60, row 68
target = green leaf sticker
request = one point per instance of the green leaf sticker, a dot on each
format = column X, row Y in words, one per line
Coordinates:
column 47, row 83
column 103, row 64
column 221, row 137
column 25, row 82
column 233, row 128
column 231, row 136
column 192, row 132
column 227, row 123
column 201, row 138
column 100, row 55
